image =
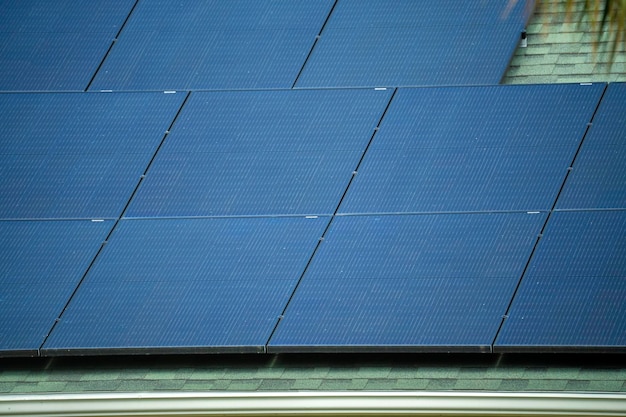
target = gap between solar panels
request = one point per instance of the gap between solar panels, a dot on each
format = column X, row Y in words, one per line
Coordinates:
column 317, row 38
column 355, row 172
column 106, row 240
column 543, row 228
column 93, row 77
column 439, row 280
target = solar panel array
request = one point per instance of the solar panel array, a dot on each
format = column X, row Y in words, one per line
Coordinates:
column 221, row 176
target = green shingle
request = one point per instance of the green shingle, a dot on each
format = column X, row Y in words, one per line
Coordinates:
column 316, row 373
column 307, row 384
column 276, row 384
column 581, row 385
column 207, row 373
column 441, row 384
column 411, row 384
column 563, row 49
column 513, row 385
column 605, row 386
column 11, row 376
column 438, row 373
column 408, row 372
column 544, row 384
column 136, row 385
column 343, row 384
column 532, row 49
column 372, row 372
column 568, row 48
column 271, row 373
column 564, row 37
column 381, row 384
column 24, row 388
column 97, row 375
column 244, row 385
column 572, row 58
column 8, row 386
column 80, row 386
column 166, row 374
column 477, row 384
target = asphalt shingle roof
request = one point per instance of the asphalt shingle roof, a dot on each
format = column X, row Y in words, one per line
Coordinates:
column 561, row 50
column 432, row 372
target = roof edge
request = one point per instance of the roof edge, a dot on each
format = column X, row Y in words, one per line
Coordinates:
column 315, row 403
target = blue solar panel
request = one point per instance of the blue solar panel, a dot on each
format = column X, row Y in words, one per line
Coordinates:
column 260, row 153
column 63, row 15
column 55, row 45
column 409, row 282
column 71, row 155
column 573, row 294
column 203, row 15
column 50, row 61
column 188, row 284
column 598, row 179
column 41, row 263
column 473, row 149
column 215, row 45
column 375, row 43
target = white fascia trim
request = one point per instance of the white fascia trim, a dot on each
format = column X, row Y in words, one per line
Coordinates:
column 314, row 403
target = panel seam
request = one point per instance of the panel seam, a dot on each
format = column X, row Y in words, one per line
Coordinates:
column 321, row 239
column 113, row 42
column 106, row 240
column 317, row 38
column 545, row 223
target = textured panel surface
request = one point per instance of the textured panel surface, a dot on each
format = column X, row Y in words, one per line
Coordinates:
column 77, row 154
column 55, row 45
column 41, row 263
column 213, row 45
column 31, row 61
column 375, row 43
column 409, row 282
column 473, row 149
column 573, row 295
column 25, row 16
column 598, row 179
column 260, row 153
column 217, row 284
column 202, row 15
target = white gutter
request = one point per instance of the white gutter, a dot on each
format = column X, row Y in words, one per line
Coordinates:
column 314, row 403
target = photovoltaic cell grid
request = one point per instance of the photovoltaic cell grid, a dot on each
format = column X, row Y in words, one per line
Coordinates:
column 438, row 150
column 260, row 153
column 598, row 180
column 409, row 283
column 56, row 45
column 460, row 149
column 188, row 285
column 77, row 155
column 403, row 43
column 573, row 296
column 197, row 44
column 41, row 263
